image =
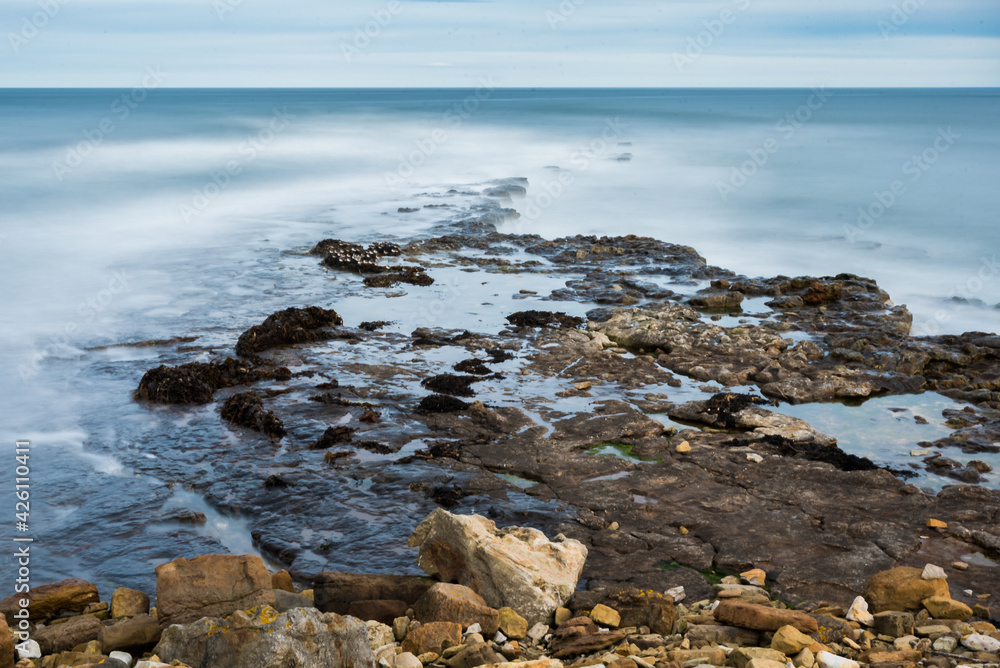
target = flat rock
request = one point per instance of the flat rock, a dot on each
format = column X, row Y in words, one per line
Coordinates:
column 210, row 586
column 742, row 656
column 790, row 641
column 761, row 618
column 943, row 607
column 581, row 635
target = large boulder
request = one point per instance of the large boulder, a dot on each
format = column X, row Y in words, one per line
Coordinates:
column 456, row 603
column 262, row 638
column 515, row 567
column 215, row 585
column 902, row 589
column 335, row 592
column 72, row 595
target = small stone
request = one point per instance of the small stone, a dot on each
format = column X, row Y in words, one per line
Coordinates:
column 894, row 624
column 128, row 603
column 743, row 657
column 932, row 630
column 828, row 660
column 980, row 643
column 936, row 524
column 754, row 457
column 959, row 565
column 919, row 453
column 606, row 616
column 538, row 631
column 943, row 607
column 474, row 639
column 790, row 641
column 399, row 627
column 676, row 593
column 945, row 644
column 804, row 659
column 511, row 650
column 124, row 657
column 563, row 615
column 406, row 660
column 859, row 612
column 586, row 385
column 474, row 628
column 683, row 447
column 29, row 649
column 512, row 624
column 980, row 610
column 427, row 657
column 755, row 577
column 614, row 526
column 932, row 572
column 684, row 531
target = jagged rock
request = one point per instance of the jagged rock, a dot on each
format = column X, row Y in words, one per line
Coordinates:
column 943, row 607
column 456, row 603
column 859, row 612
column 262, row 638
column 932, row 572
column 761, row 618
column 433, row 637
column 71, row 595
column 292, row 325
column 901, row 589
column 128, row 603
column 515, row 567
column 335, row 592
column 213, row 585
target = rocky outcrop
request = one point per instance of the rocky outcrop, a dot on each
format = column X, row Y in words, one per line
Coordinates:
column 515, row 567
column 210, row 586
column 262, row 638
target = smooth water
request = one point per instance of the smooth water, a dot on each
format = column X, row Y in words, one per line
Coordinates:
column 127, row 219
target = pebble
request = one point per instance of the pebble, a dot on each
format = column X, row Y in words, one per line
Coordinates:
column 859, row 612
column 475, row 628
column 586, row 385
column 683, row 447
column 538, row 631
column 754, row 457
column 29, row 649
column 936, row 524
column 828, row 660
column 676, row 593
column 124, row 657
column 919, row 453
column 945, row 644
column 959, row 565
column 755, row 576
column 932, row 572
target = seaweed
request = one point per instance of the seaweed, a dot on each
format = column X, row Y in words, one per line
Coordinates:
column 544, row 319
column 246, row 409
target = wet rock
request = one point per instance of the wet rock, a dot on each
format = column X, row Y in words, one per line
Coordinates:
column 210, row 586
column 63, row 637
column 128, row 603
column 196, row 383
column 455, row 603
column 246, row 409
column 459, row 386
column 134, row 635
column 901, row 589
column 50, row 600
column 441, row 403
column 333, row 436
column 335, row 592
column 544, row 319
column 261, row 638
column 433, row 637
column 374, row 325
column 514, row 567
column 761, row 618
column 474, row 367
column 717, row 301
column 579, row 636
column 275, row 481
column 409, row 275
column 287, row 327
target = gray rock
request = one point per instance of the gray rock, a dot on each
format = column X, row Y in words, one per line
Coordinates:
column 285, row 601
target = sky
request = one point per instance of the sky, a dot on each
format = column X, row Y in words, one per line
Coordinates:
column 511, row 43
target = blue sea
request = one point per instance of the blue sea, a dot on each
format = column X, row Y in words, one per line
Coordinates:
column 130, row 215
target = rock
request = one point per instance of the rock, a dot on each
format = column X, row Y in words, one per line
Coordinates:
column 406, row 660
column 901, row 589
column 960, row 565
column 433, row 637
column 473, row 655
column 538, row 631
column 945, row 644
column 581, row 636
column 135, row 635
column 400, row 625
column 761, row 618
column 67, row 635
column 563, row 615
column 714, row 656
column 334, row 592
column 128, row 603
column 722, row 635
column 892, row 623
column 380, row 611
column 71, row 659
column 540, row 663
column 515, row 567
column 804, row 659
column 943, row 607
column 72, row 595
column 932, row 572
column 742, row 656
column 214, row 585
column 29, row 649
column 790, row 641
column 285, row 601
column 936, row 524
column 605, row 616
column 981, row 643
column 283, row 580
column 379, row 635
column 261, row 638
column 745, row 593
column 932, row 630
column 859, row 612
column 828, row 660
column 513, row 625
column 124, row 657
column 7, row 653
column 755, row 576
column 683, row 447
column 644, row 607
column 983, row 611
column 456, row 603
column 765, row 663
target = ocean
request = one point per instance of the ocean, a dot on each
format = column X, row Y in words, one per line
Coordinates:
column 151, row 213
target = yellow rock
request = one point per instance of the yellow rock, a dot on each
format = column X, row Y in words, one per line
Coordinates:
column 755, row 577
column 943, row 607
column 563, row 615
column 684, row 531
column 790, row 641
column 936, row 524
column 605, row 616
column 512, row 624
column 683, row 447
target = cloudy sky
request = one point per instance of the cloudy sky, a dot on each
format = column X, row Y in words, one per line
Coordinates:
column 348, row 43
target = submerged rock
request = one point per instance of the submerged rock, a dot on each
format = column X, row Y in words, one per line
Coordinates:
column 246, row 409
column 515, row 567
column 287, row 327
column 544, row 319
column 460, row 386
column 196, row 383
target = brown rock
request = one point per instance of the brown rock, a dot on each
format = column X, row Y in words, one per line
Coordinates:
column 901, row 589
column 832, row 629
column 893, row 623
column 65, row 636
column 433, row 637
column 623, row 663
column 877, row 656
column 722, row 635
column 214, row 585
column 7, row 653
column 513, row 625
column 73, row 659
column 133, row 635
column 379, row 611
column 283, row 580
column 789, row 640
column 980, row 610
column 128, row 603
column 72, row 595
column 645, row 607
column 605, row 616
column 563, row 615
column 580, row 636
column 456, row 603
column 943, row 607
column 713, row 655
column 471, row 656
column 334, row 592
column 761, row 618
column 742, row 656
